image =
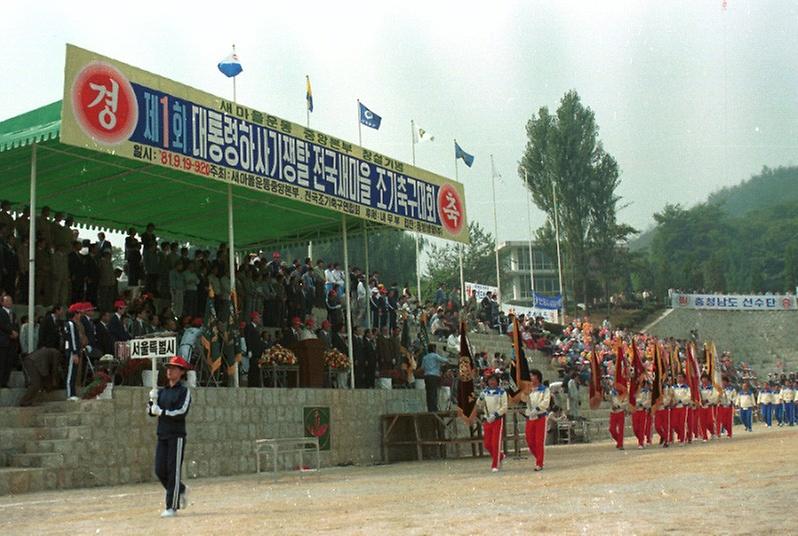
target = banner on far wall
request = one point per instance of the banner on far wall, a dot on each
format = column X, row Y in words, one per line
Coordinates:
column 480, row 290
column 734, row 302
column 549, row 315
column 542, row 301
column 115, row 108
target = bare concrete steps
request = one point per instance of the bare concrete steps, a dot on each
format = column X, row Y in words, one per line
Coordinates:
column 37, row 459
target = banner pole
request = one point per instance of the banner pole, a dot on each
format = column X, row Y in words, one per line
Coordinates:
column 368, row 274
column 559, row 257
column 529, row 221
column 32, row 247
column 495, row 229
column 231, row 242
column 418, row 261
column 459, row 246
column 348, row 307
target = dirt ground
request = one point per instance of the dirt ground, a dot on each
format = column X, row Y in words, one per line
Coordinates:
column 745, row 485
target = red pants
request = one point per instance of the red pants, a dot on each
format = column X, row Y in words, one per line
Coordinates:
column 707, row 422
column 662, row 422
column 536, row 438
column 679, row 419
column 692, row 423
column 649, row 426
column 617, row 420
column 641, row 425
column 725, row 420
column 492, row 438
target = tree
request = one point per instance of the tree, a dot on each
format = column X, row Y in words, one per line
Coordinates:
column 479, row 262
column 563, row 153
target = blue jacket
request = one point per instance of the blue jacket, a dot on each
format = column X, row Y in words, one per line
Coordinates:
column 175, row 402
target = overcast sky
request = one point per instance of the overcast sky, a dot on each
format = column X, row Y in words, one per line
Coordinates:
column 688, row 97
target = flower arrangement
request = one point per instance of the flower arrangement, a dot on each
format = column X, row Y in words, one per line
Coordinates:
column 97, row 386
column 131, row 370
column 277, row 355
column 335, row 359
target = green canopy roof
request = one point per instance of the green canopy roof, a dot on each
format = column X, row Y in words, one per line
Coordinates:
column 111, row 192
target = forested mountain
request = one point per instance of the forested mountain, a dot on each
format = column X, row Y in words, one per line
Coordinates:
column 743, row 239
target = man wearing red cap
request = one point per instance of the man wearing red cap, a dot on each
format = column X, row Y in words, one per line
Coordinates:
column 492, row 404
column 171, row 405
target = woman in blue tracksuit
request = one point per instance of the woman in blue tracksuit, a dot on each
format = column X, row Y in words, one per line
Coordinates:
column 171, row 405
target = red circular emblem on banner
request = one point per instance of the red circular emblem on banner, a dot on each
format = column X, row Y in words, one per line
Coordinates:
column 450, row 209
column 104, row 104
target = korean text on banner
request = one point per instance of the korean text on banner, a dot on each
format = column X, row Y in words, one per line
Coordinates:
column 734, row 302
column 119, row 109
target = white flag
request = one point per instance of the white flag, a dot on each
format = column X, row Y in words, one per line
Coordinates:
column 423, row 135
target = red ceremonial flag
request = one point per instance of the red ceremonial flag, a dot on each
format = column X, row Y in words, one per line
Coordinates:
column 621, row 369
column 659, row 375
column 637, row 372
column 465, row 375
column 596, row 389
column 692, row 374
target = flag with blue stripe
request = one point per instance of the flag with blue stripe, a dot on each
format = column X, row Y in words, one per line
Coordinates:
column 460, row 153
column 230, row 66
column 309, row 94
column 369, row 118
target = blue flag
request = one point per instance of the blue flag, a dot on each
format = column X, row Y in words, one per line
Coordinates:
column 369, row 118
column 460, row 153
column 230, row 66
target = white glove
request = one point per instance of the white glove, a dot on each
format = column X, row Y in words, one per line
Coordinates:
column 154, row 395
column 154, row 410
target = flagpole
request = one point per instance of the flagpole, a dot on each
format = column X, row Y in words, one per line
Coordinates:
column 368, row 274
column 348, row 306
column 230, row 237
column 529, row 221
column 307, row 114
column 495, row 227
column 459, row 246
column 559, row 257
column 418, row 261
column 359, row 127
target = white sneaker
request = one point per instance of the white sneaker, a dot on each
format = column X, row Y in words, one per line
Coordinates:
column 495, row 469
column 183, row 500
column 168, row 513
column 73, row 399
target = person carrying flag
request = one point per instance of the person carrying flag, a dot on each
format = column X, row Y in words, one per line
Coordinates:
column 492, row 405
column 641, row 417
column 746, row 402
column 618, row 416
column 708, row 409
column 680, row 405
column 662, row 416
column 537, row 398
column 726, row 402
column 171, row 405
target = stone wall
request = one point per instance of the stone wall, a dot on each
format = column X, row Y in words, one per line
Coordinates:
column 94, row 443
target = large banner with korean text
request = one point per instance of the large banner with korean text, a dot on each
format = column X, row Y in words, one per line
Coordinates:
column 734, row 302
column 118, row 109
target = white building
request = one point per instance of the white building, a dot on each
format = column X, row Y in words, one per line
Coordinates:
column 516, row 282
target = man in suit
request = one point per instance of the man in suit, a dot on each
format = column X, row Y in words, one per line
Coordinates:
column 255, row 348
column 359, row 354
column 370, row 350
column 50, row 332
column 116, row 326
column 103, row 245
column 105, row 341
column 9, row 339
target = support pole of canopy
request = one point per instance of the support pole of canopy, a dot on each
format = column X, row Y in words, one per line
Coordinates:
column 32, row 247
column 231, row 244
column 232, row 263
column 348, row 306
column 368, row 274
